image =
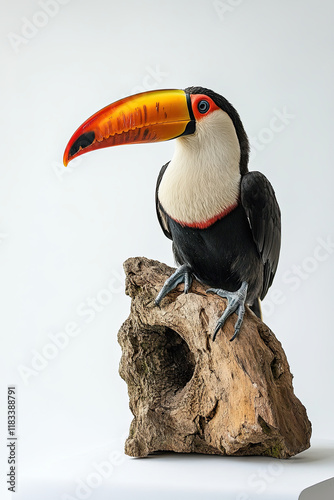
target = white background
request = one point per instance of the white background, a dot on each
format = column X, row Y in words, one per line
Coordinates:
column 64, row 234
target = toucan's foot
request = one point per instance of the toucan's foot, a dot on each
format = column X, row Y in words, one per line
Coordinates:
column 181, row 275
column 236, row 303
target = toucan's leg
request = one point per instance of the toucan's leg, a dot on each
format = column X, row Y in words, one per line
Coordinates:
column 181, row 275
column 236, row 303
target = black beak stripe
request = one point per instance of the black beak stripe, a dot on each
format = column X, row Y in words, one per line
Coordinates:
column 82, row 142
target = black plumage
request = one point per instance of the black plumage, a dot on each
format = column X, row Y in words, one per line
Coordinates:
column 242, row 246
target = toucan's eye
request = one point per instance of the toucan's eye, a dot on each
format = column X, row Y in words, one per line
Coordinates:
column 203, row 106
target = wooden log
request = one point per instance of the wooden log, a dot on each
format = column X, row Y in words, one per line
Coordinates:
column 190, row 394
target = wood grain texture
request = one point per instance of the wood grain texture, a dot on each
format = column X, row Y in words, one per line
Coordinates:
column 189, row 394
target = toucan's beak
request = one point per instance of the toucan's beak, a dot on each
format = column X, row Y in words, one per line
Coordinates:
column 154, row 116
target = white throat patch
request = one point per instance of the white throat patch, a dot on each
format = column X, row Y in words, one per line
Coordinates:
column 203, row 177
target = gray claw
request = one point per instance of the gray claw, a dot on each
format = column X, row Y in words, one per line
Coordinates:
column 236, row 303
column 181, row 275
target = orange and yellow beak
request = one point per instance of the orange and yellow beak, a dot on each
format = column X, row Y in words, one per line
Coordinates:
column 154, row 116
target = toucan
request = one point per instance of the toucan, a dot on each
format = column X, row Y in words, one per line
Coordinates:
column 223, row 220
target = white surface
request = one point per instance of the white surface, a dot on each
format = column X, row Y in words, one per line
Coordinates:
column 192, row 477
column 65, row 233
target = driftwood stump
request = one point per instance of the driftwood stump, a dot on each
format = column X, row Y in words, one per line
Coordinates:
column 189, row 394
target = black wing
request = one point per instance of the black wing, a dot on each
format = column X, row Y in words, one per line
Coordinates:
column 161, row 216
column 259, row 201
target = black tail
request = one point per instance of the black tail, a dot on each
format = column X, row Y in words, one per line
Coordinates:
column 256, row 308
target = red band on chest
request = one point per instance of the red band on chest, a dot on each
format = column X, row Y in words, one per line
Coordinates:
column 207, row 223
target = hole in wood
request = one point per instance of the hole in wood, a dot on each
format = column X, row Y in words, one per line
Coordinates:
column 164, row 359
